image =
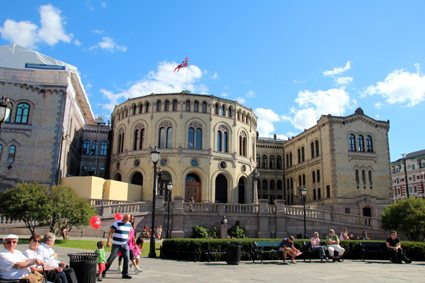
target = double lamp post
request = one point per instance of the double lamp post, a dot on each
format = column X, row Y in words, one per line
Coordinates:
column 155, row 156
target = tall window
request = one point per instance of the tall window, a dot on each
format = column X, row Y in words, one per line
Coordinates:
column 204, row 107
column 165, row 135
column 318, row 176
column 167, row 105
column 271, row 162
column 12, row 154
column 194, row 139
column 312, row 149
column 257, row 159
column 264, row 162
column 352, row 142
column 279, row 162
column 120, row 148
column 187, row 108
column 138, row 138
column 360, row 140
column 230, row 112
column 174, row 104
column 216, row 108
column 242, row 144
column 317, row 147
column 94, row 147
column 22, row 113
column 86, row 147
column 222, row 139
column 369, row 144
column 147, row 107
column 364, row 179
column 223, row 110
column 104, row 148
column 302, row 154
column 196, row 106
column 370, row 178
column 158, row 105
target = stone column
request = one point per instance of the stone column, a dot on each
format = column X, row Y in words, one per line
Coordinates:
column 255, row 196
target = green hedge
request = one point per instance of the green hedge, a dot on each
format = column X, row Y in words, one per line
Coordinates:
column 197, row 249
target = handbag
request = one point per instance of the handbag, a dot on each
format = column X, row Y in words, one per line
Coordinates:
column 35, row 277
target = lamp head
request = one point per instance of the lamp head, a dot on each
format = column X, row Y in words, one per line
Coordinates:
column 169, row 186
column 303, row 191
column 155, row 155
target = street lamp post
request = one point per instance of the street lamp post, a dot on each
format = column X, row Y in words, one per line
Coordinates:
column 304, row 194
column 155, row 155
column 169, row 189
column 405, row 175
column 5, row 108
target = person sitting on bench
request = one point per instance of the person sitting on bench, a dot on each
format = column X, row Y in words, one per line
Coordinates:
column 332, row 241
column 287, row 248
column 397, row 254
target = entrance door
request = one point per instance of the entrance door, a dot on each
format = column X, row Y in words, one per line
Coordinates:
column 241, row 190
column 221, row 189
column 193, row 188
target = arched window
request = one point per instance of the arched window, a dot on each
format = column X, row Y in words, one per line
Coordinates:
column 187, row 108
column 272, row 186
column 22, row 113
column 134, row 109
column 279, row 162
column 313, row 175
column 158, row 105
column 242, row 144
column 317, row 148
column 94, row 148
column 312, row 149
column 318, row 176
column 174, row 104
column 229, row 112
column 138, row 138
column 219, row 138
column 167, row 105
column 86, row 147
column 271, row 162
column 264, row 187
column 147, row 105
column 226, row 142
column 357, row 179
column 302, row 154
column 204, row 107
column 352, row 142
column 104, row 148
column 165, row 135
column 264, row 162
column 140, row 108
column 222, row 139
column 196, row 106
column 223, row 110
column 216, row 108
column 120, row 148
column 194, row 138
column 370, row 178
column 12, row 154
column 257, row 158
column 360, row 140
column 369, row 143
column 364, row 178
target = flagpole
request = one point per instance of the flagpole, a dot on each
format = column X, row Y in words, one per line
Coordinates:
column 187, row 70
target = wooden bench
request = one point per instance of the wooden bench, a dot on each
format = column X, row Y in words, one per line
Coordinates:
column 260, row 248
column 375, row 250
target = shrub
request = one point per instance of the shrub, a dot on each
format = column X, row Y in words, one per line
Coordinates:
column 236, row 231
column 199, row 232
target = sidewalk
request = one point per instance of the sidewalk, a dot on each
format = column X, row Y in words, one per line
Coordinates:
column 164, row 271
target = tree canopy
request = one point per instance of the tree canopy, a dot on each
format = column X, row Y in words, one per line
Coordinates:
column 36, row 205
column 407, row 216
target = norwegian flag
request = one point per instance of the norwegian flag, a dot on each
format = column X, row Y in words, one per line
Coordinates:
column 183, row 64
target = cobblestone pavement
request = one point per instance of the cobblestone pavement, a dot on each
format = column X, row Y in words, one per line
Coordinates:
column 158, row 271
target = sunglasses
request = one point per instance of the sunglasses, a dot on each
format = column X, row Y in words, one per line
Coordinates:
column 8, row 242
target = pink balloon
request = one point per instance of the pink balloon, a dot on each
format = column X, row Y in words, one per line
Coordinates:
column 95, row 222
column 118, row 216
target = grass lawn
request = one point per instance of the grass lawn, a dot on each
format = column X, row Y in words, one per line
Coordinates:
column 91, row 245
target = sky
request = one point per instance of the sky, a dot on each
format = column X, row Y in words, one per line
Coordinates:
column 290, row 61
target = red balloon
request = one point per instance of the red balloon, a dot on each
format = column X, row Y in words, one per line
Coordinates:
column 95, row 222
column 118, row 216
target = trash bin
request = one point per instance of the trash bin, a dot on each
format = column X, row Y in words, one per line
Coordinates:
column 234, row 253
column 84, row 265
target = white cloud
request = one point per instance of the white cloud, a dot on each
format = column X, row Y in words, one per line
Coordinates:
column 77, row 42
column 400, row 87
column 337, row 70
column 313, row 104
column 343, row 80
column 224, row 94
column 109, row 44
column 51, row 30
column 240, row 100
column 163, row 80
column 266, row 118
column 22, row 33
column 28, row 34
column 98, row 31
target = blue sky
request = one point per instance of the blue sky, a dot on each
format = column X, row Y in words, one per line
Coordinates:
column 290, row 61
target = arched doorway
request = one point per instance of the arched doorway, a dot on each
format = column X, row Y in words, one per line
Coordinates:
column 117, row 177
column 241, row 190
column 137, row 179
column 163, row 179
column 193, row 188
column 221, row 189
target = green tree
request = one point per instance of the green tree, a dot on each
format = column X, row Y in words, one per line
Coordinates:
column 407, row 216
column 66, row 210
column 58, row 207
column 26, row 203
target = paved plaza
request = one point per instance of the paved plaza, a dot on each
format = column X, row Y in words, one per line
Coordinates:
column 158, row 271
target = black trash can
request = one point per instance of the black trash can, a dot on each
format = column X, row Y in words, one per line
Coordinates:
column 234, row 253
column 84, row 265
